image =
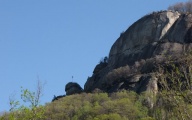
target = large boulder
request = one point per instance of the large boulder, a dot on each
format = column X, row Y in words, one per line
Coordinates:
column 133, row 56
column 73, row 88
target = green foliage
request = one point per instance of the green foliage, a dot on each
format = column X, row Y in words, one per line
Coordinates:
column 28, row 96
column 118, row 74
column 174, row 99
column 99, row 106
column 124, row 105
column 112, row 116
column 13, row 104
column 21, row 112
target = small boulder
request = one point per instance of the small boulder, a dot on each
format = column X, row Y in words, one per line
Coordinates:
column 57, row 97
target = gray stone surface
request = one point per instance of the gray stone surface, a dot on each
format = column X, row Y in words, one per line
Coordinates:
column 148, row 41
column 73, row 88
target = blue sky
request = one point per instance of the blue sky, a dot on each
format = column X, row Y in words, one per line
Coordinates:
column 54, row 40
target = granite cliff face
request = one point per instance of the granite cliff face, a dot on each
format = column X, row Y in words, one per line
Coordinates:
column 133, row 56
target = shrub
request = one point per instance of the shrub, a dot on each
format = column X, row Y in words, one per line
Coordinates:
column 118, row 74
column 182, row 7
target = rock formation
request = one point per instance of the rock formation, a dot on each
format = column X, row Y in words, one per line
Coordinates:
column 73, row 88
column 70, row 88
column 133, row 56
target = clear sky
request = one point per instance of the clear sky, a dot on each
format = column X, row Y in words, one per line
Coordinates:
column 54, row 40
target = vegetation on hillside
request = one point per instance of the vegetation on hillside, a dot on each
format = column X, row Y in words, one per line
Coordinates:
column 173, row 100
column 33, row 111
column 182, row 7
column 98, row 106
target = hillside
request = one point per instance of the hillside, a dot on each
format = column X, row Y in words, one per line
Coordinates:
column 153, row 58
column 148, row 75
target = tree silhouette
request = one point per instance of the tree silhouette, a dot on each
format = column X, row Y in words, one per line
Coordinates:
column 183, row 7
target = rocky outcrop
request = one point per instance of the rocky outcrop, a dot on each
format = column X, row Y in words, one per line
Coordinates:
column 73, row 88
column 99, row 67
column 134, row 55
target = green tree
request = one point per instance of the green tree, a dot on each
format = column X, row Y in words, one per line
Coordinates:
column 21, row 112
